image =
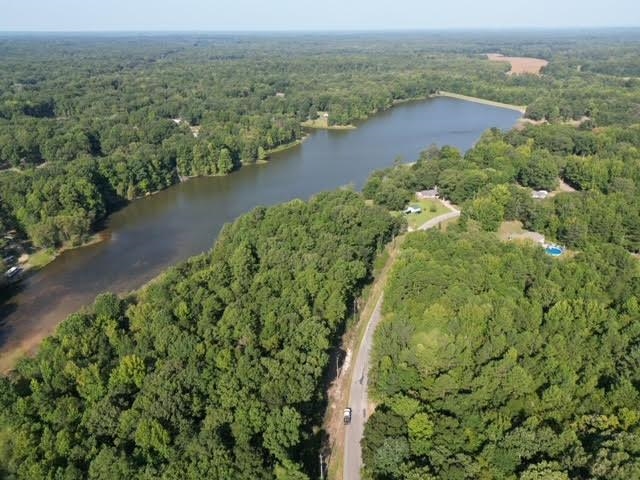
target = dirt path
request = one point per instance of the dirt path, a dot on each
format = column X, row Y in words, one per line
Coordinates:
column 339, row 391
column 359, row 399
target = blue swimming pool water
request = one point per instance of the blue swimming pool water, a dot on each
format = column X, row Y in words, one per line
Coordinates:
column 554, row 251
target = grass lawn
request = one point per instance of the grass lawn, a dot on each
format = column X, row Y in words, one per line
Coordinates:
column 430, row 209
column 320, row 122
column 509, row 228
column 513, row 231
column 40, row 258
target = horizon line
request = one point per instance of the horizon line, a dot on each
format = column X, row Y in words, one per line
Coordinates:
column 495, row 29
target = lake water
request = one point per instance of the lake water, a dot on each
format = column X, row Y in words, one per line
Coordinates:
column 153, row 233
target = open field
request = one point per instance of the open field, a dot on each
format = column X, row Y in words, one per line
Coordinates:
column 520, row 65
column 40, row 258
column 430, row 209
column 513, row 231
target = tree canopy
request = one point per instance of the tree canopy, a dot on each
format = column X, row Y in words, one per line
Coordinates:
column 496, row 361
column 213, row 371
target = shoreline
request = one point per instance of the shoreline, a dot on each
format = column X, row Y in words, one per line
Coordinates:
column 334, row 127
column 283, row 147
column 32, row 344
column 49, row 254
column 99, row 236
column 519, row 108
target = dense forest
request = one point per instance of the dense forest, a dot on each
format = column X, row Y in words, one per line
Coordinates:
column 496, row 361
column 493, row 360
column 89, row 122
column 213, row 371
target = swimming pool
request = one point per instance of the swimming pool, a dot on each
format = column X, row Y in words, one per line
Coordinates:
column 554, row 250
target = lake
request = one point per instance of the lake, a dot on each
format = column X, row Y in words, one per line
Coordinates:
column 150, row 234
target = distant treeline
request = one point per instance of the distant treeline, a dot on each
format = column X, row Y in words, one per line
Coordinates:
column 113, row 118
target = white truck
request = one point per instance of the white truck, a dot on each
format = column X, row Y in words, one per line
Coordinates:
column 347, row 416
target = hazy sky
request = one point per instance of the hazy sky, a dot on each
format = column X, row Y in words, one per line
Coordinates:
column 236, row 15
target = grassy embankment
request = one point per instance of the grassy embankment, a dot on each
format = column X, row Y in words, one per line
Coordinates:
column 520, row 108
column 41, row 258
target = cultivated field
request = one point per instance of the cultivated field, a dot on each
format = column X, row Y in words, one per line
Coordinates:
column 520, row 65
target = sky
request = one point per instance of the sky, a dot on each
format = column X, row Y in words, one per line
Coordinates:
column 295, row 15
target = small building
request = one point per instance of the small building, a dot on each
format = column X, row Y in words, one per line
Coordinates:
column 280, row 94
column 540, row 194
column 428, row 194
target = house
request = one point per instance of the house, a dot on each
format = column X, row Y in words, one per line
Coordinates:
column 428, row 194
column 412, row 209
column 540, row 194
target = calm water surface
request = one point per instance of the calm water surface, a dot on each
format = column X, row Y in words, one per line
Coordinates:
column 153, row 233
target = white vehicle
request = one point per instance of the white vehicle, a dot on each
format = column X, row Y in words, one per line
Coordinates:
column 14, row 274
column 412, row 209
column 347, row 416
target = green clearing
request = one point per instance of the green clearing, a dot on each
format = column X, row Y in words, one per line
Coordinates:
column 41, row 258
column 430, row 209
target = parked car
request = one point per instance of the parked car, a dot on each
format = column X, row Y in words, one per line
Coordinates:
column 13, row 275
column 412, row 209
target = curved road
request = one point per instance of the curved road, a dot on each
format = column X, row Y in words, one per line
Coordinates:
column 358, row 395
